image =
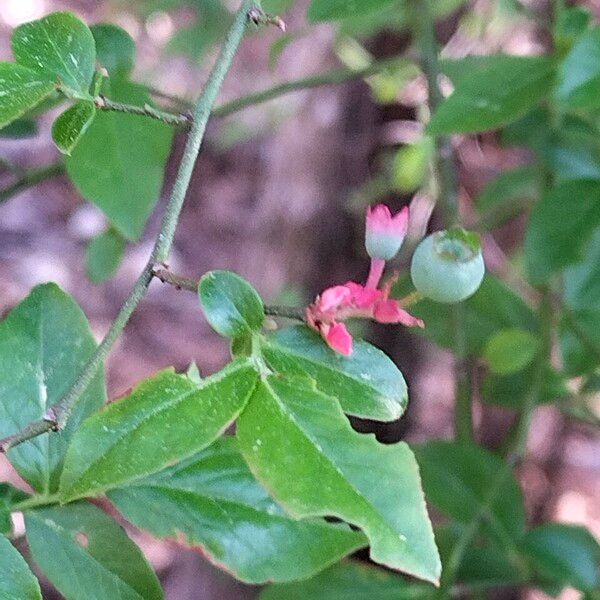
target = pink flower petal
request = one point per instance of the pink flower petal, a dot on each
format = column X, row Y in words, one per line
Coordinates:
column 363, row 297
column 339, row 339
column 399, row 222
column 334, row 297
column 390, row 311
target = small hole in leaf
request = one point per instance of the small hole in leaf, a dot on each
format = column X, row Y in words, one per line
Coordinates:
column 82, row 539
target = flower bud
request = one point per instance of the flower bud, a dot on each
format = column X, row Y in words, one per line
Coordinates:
column 385, row 233
column 447, row 266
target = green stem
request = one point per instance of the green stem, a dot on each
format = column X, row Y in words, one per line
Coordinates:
column 35, row 502
column 447, row 197
column 103, row 103
column 59, row 413
column 517, row 451
column 336, row 76
column 30, row 178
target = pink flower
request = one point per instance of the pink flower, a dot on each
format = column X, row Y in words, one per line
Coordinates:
column 385, row 233
column 352, row 299
column 338, row 338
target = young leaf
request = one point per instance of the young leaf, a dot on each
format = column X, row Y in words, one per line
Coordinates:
column 17, row 581
column 119, row 164
column 330, row 10
column 231, row 305
column 60, row 46
column 165, row 419
column 212, row 501
column 20, row 90
column 567, row 554
column 559, row 227
column 510, row 350
column 44, row 343
column 300, row 445
column 9, row 496
column 367, row 384
column 85, row 554
column 115, row 49
column 350, row 580
column 104, row 255
column 491, row 98
column 457, row 479
column 72, row 124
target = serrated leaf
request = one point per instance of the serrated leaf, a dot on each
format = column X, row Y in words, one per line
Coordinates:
column 231, row 305
column 299, row 444
column 85, row 554
column 212, row 501
column 21, row 89
column 9, row 496
column 331, row 10
column 44, row 343
column 457, row 479
column 567, row 554
column 165, row 419
column 17, row 581
column 115, row 49
column 119, row 164
column 72, row 124
column 367, row 384
column 350, row 580
column 104, row 255
column 60, row 46
column 560, row 224
column 491, row 98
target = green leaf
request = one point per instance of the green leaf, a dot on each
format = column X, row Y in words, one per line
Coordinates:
column 231, row 305
column 20, row 129
column 512, row 190
column 72, row 124
column 510, row 350
column 85, row 554
column 60, row 46
column 559, row 227
column 491, row 98
column 330, row 10
column 17, row 581
column 299, row 444
column 350, row 580
column 165, row 419
column 119, row 164
column 44, row 343
column 115, row 49
column 579, row 74
column 212, row 501
column 104, row 255
column 457, row 479
column 492, row 308
column 512, row 390
column 367, row 384
column 20, row 90
column 9, row 496
column 579, row 332
column 565, row 553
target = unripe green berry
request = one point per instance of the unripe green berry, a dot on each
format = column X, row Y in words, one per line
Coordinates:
column 447, row 266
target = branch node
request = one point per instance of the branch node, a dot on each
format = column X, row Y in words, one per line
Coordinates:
column 258, row 17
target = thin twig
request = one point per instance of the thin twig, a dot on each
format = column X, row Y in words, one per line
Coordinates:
column 186, row 283
column 58, row 414
column 181, row 119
